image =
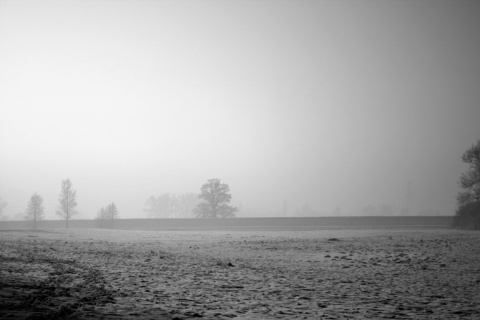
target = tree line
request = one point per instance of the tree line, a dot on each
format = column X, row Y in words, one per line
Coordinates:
column 171, row 206
column 66, row 208
column 106, row 216
column 212, row 202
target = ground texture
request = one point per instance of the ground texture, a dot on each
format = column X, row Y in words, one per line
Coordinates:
column 323, row 274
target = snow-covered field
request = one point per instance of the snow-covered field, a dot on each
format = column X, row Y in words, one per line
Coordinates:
column 327, row 274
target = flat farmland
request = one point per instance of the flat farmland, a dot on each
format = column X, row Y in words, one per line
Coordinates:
column 356, row 273
column 246, row 224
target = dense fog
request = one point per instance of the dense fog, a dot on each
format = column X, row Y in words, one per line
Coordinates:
column 303, row 108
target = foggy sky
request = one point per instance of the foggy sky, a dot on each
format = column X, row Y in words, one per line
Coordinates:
column 334, row 104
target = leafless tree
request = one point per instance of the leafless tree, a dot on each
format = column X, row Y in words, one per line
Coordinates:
column 67, row 200
column 216, row 199
column 101, row 215
column 111, row 213
column 35, row 209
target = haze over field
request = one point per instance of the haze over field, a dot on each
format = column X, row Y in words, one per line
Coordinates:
column 330, row 107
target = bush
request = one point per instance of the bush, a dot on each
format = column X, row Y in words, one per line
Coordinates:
column 468, row 216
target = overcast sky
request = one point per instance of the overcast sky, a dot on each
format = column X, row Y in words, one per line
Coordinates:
column 334, row 104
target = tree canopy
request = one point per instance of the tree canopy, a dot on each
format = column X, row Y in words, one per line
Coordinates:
column 216, row 199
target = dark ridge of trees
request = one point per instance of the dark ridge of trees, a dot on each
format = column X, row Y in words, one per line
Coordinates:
column 468, row 199
column 216, row 199
column 35, row 210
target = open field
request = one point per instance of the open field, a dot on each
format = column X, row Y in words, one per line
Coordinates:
column 247, row 224
column 313, row 274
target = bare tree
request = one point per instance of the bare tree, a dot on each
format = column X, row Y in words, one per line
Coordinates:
column 101, row 215
column 68, row 203
column 215, row 196
column 35, row 210
column 111, row 213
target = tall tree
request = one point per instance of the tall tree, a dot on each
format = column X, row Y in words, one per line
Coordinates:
column 111, row 213
column 67, row 200
column 216, row 199
column 468, row 198
column 35, row 210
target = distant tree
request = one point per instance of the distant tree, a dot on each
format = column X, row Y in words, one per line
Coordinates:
column 468, row 199
column 35, row 210
column 3, row 204
column 111, row 213
column 101, row 215
column 151, row 207
column 186, row 204
column 162, row 206
column 173, row 207
column 67, row 200
column 215, row 196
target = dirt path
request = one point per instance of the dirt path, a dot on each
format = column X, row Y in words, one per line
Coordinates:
column 374, row 274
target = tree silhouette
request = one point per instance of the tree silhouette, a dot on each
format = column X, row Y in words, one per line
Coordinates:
column 111, row 213
column 468, row 199
column 215, row 196
column 35, row 210
column 101, row 214
column 67, row 200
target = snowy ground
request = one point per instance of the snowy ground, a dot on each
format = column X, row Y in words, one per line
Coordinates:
column 327, row 274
